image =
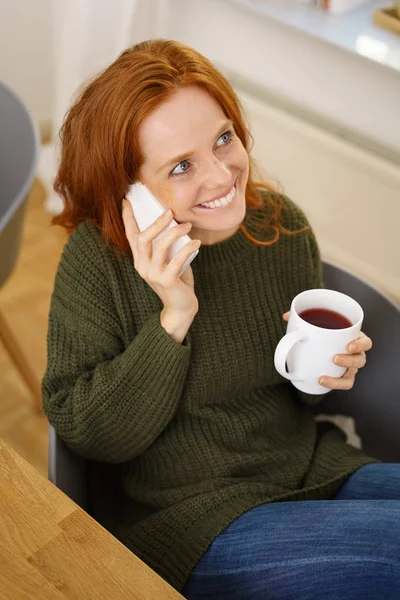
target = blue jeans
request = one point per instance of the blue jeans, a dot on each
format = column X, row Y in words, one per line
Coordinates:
column 324, row 549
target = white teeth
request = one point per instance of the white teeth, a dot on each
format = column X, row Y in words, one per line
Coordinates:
column 221, row 201
column 211, row 204
column 224, row 201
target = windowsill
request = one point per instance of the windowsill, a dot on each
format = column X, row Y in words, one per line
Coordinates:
column 353, row 32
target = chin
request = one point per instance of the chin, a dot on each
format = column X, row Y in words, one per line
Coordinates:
column 228, row 223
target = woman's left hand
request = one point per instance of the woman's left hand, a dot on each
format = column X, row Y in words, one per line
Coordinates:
column 353, row 361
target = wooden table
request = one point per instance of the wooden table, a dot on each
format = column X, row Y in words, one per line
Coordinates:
column 51, row 549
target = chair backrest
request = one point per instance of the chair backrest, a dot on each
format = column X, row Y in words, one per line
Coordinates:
column 374, row 401
column 68, row 471
column 18, row 159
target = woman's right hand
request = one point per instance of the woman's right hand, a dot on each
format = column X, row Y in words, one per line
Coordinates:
column 150, row 261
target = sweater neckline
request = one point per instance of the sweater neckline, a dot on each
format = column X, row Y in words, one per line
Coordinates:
column 223, row 253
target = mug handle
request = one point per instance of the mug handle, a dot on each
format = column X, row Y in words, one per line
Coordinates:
column 282, row 350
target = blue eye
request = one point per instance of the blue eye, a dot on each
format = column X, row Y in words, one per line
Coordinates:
column 226, row 138
column 184, row 166
column 181, row 166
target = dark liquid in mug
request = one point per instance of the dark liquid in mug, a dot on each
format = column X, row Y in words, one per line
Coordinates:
column 328, row 319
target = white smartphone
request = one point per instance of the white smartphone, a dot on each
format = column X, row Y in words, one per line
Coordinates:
column 146, row 209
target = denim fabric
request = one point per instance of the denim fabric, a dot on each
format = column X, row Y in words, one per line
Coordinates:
column 347, row 548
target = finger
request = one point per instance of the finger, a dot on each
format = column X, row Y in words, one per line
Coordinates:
column 350, row 373
column 361, row 344
column 174, row 267
column 285, row 316
column 132, row 233
column 141, row 255
column 144, row 241
column 131, row 228
column 150, row 233
column 162, row 246
column 339, row 383
column 351, row 360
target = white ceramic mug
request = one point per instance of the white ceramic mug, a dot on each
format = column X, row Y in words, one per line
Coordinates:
column 308, row 350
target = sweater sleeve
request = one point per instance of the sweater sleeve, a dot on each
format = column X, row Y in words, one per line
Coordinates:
column 109, row 401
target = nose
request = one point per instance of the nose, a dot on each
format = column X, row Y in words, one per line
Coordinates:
column 217, row 175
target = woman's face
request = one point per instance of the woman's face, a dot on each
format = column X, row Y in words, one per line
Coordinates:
column 195, row 164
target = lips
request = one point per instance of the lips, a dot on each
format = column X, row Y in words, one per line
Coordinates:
column 220, row 196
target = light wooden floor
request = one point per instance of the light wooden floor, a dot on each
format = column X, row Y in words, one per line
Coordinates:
column 25, row 301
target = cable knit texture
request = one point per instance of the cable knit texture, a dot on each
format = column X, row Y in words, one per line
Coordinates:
column 187, row 437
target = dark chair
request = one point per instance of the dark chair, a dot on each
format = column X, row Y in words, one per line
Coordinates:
column 18, row 159
column 68, row 471
column 374, row 402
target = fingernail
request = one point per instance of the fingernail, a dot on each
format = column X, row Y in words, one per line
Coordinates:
column 167, row 214
column 188, row 225
column 352, row 348
column 322, row 381
column 337, row 360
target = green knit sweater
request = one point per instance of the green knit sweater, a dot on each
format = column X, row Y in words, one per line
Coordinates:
column 194, row 434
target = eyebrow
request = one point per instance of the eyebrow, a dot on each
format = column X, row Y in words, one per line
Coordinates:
column 177, row 159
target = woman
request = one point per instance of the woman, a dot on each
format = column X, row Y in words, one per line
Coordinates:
column 170, row 380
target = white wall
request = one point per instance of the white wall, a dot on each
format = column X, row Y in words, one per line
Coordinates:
column 31, row 36
column 351, row 197
column 26, row 53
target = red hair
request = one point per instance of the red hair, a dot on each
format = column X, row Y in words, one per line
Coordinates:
column 100, row 155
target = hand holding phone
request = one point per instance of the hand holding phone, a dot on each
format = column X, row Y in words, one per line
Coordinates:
column 146, row 210
column 151, row 248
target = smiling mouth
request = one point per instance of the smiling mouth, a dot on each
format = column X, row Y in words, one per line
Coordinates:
column 221, row 202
